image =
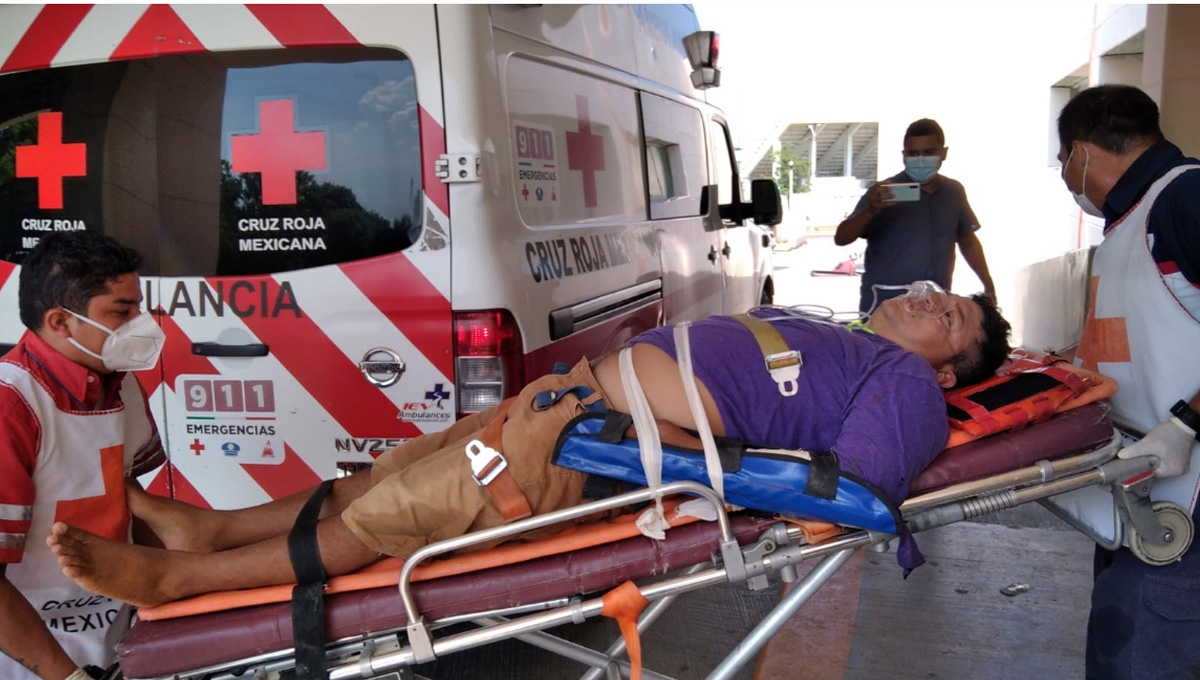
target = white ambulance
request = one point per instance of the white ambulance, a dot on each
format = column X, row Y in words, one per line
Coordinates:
column 358, row 222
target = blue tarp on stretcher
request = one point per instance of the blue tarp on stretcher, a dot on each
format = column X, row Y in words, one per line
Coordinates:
column 771, row 481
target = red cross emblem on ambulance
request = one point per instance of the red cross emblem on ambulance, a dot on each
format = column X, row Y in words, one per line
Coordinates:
column 278, row 152
column 585, row 151
column 49, row 161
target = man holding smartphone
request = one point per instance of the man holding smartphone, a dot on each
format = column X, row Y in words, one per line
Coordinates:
column 910, row 231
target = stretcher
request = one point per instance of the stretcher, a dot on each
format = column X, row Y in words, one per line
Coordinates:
column 393, row 617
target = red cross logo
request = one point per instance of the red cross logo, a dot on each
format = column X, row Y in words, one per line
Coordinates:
column 49, row 161
column 196, row 446
column 277, row 151
column 585, row 151
column 1103, row 339
column 525, row 191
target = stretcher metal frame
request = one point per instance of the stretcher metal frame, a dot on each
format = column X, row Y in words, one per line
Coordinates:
column 773, row 556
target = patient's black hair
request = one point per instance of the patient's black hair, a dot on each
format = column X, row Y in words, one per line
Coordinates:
column 983, row 358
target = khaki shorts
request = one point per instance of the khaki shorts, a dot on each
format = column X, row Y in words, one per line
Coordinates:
column 422, row 491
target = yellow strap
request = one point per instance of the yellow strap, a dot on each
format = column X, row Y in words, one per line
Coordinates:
column 770, row 342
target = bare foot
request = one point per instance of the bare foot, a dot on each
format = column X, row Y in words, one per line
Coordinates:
column 178, row 525
column 122, row 571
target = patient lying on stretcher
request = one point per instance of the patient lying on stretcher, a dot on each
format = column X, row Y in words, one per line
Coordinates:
column 871, row 393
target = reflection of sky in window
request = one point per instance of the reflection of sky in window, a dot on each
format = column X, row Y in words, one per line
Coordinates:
column 368, row 111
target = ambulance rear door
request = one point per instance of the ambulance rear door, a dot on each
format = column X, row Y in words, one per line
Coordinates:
column 275, row 167
column 310, row 328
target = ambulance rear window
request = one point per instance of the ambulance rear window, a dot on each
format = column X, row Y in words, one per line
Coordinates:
column 225, row 163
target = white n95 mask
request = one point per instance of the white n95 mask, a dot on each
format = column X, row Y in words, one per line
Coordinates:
column 132, row 346
column 1081, row 199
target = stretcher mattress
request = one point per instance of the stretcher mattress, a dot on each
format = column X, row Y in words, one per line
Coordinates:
column 160, row 648
column 157, row 648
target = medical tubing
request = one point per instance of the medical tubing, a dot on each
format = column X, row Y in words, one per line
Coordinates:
column 712, row 461
column 777, row 313
column 649, row 444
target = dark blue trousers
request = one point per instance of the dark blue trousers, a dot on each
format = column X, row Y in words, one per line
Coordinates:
column 1145, row 620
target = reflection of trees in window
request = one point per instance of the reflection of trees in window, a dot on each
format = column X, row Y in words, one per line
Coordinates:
column 18, row 199
column 351, row 231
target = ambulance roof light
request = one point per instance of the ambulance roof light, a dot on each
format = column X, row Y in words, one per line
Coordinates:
column 702, row 49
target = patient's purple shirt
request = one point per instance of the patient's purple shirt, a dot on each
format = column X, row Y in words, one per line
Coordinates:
column 879, row 407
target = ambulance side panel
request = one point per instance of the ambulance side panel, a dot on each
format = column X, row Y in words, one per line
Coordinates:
column 559, row 230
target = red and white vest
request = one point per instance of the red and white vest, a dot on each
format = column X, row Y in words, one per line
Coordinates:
column 79, row 478
column 1139, row 333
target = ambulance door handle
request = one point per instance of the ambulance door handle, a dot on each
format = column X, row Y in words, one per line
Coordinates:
column 726, row 250
column 712, row 254
column 216, row 349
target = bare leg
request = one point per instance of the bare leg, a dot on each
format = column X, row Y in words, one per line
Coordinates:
column 145, row 576
column 185, row 527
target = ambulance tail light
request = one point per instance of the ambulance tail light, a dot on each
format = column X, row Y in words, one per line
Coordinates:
column 488, row 359
column 702, row 49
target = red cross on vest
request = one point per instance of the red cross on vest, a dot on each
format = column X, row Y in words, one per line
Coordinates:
column 49, row 161
column 585, row 151
column 1104, row 339
column 277, row 151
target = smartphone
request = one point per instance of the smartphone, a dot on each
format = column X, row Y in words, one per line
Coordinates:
column 907, row 191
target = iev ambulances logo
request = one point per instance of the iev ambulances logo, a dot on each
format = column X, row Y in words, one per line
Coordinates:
column 432, row 410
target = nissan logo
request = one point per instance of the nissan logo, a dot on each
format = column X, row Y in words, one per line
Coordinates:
column 381, row 367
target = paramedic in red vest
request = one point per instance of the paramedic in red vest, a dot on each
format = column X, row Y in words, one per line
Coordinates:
column 871, row 393
column 76, row 429
column 915, row 241
column 1142, row 330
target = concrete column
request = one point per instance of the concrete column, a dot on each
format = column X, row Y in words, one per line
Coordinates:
column 1171, row 71
column 848, row 167
column 812, row 154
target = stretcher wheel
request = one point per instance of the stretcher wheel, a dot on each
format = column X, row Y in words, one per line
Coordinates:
column 1176, row 521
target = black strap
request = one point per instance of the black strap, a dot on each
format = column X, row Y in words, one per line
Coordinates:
column 308, row 605
column 823, row 474
column 615, row 425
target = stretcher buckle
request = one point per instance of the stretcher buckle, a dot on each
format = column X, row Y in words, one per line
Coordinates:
column 486, row 463
column 784, row 368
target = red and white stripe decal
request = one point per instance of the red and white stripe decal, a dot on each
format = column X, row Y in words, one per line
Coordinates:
column 159, row 31
column 177, row 357
column 324, row 371
column 411, row 303
column 301, row 25
column 277, row 481
column 6, row 270
column 433, row 146
column 45, row 37
column 170, row 482
column 285, row 479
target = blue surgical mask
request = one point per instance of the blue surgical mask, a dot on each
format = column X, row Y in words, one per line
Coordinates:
column 921, row 169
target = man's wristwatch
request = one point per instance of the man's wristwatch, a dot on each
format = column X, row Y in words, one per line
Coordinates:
column 1187, row 415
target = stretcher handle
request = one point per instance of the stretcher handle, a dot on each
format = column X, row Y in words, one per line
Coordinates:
column 541, row 521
